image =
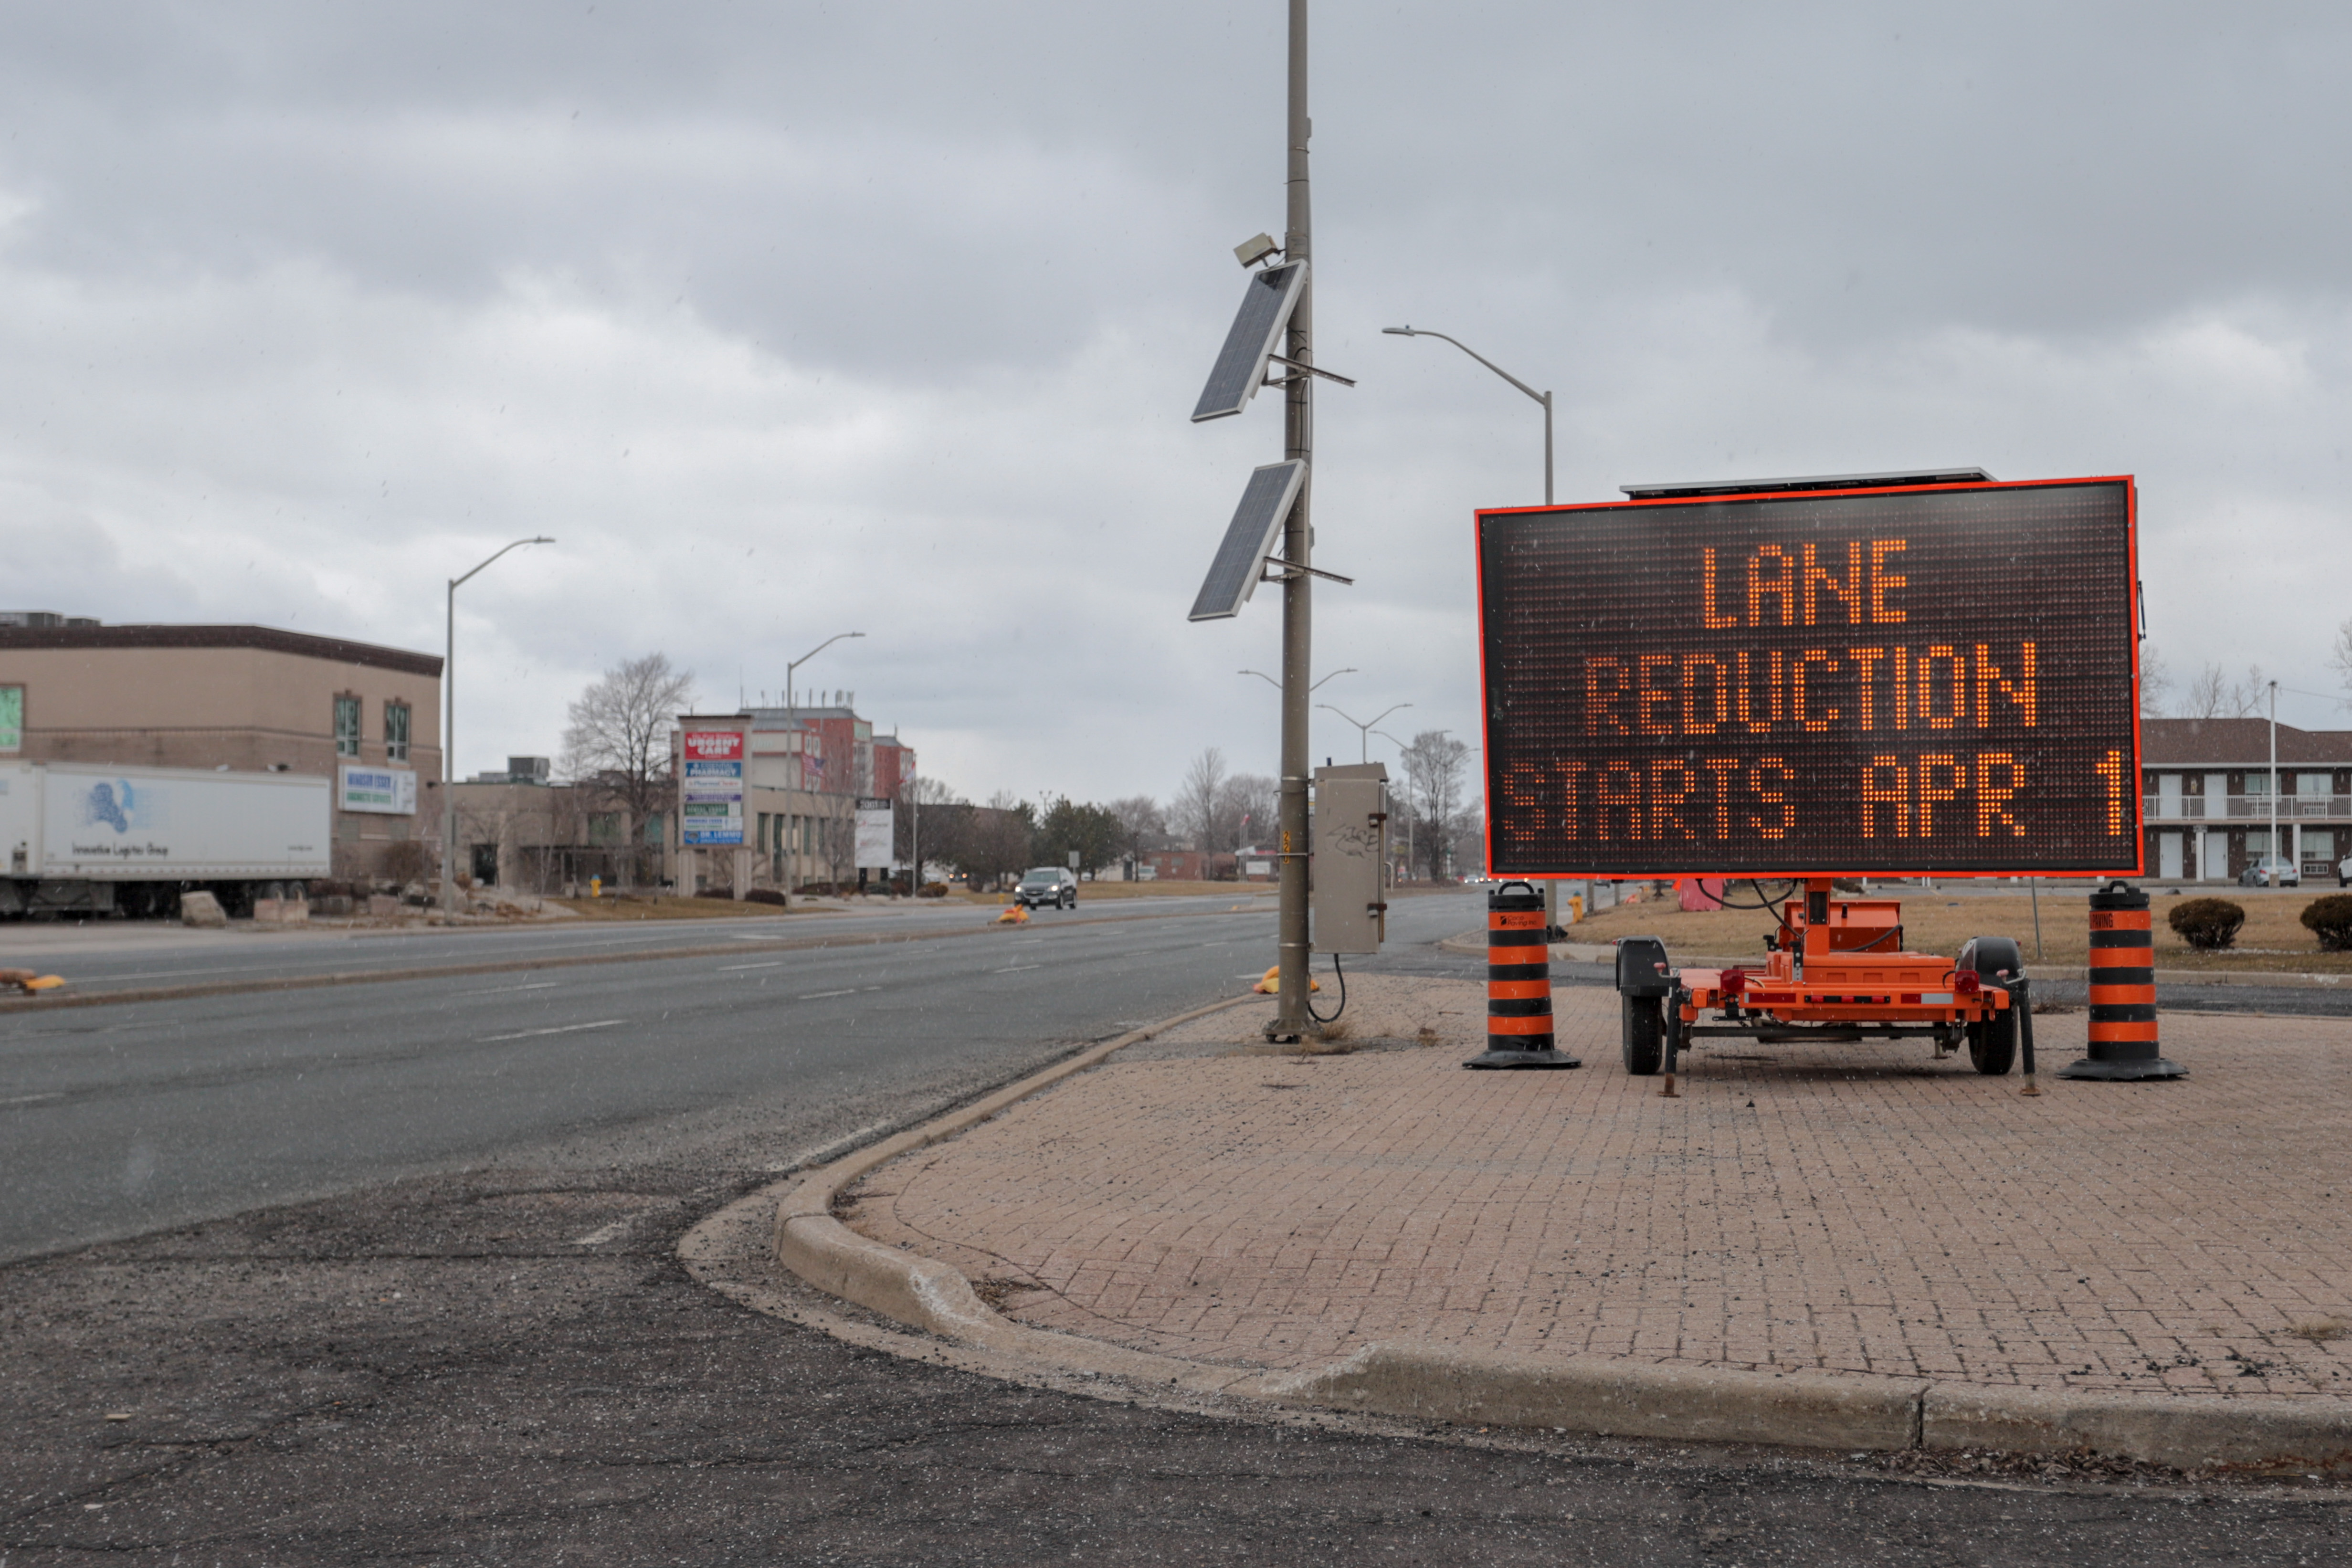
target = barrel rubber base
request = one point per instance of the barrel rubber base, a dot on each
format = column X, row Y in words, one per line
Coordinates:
column 2124, row 1071
column 1524, row 1059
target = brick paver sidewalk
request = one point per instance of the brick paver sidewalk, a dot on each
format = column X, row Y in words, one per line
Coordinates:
column 1850, row 1207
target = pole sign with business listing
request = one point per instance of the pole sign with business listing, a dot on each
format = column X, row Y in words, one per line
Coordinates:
column 710, row 792
column 1923, row 679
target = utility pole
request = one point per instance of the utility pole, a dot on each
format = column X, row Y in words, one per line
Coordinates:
column 2272, row 878
column 1290, row 1021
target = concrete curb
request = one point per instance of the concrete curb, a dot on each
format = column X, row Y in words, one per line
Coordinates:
column 1616, row 1398
column 1473, row 944
column 919, row 1292
column 1598, row 1394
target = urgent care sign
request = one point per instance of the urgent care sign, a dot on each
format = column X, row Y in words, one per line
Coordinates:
column 710, row 786
column 1938, row 679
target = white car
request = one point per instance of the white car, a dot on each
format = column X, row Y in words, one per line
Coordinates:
column 2259, row 873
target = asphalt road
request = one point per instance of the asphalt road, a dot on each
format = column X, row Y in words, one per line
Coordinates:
column 471, row 1340
column 124, row 1118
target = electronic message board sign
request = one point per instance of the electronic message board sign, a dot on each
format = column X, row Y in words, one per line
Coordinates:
column 1926, row 680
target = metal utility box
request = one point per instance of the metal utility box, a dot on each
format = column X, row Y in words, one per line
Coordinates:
column 1350, row 902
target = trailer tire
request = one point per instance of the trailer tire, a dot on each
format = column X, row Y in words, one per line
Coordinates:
column 1644, row 1031
column 1992, row 1046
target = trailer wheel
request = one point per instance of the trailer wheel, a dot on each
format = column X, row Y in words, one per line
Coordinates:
column 1644, row 1031
column 1992, row 1046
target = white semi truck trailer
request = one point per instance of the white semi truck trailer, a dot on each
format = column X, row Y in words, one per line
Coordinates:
column 87, row 838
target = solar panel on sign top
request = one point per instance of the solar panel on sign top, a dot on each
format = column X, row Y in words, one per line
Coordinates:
column 1234, row 575
column 1266, row 305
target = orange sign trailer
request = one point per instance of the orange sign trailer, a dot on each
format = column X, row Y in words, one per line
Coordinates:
column 1836, row 970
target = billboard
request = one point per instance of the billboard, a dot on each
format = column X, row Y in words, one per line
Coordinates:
column 710, row 788
column 877, row 825
column 386, row 791
column 1923, row 680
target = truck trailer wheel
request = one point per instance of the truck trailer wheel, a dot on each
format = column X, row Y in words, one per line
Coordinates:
column 1644, row 1031
column 1993, row 1047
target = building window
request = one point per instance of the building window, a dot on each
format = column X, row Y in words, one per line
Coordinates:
column 604, row 828
column 12, row 718
column 347, row 726
column 395, row 731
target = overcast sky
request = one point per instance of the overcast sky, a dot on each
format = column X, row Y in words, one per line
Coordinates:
column 790, row 319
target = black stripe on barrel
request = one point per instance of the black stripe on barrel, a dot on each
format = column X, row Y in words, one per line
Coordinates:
column 1518, row 971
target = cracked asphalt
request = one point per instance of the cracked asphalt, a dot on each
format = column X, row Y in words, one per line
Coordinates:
column 501, row 1360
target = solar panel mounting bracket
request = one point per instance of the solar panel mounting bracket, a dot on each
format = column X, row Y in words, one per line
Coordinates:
column 1309, row 370
column 1290, row 568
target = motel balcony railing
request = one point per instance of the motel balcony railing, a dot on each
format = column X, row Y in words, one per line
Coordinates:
column 2243, row 808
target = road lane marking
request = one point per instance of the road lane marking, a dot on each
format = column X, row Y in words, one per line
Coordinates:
column 30, row 1099
column 1017, row 969
column 731, row 968
column 820, row 996
column 560, row 1029
column 505, row 990
column 603, row 1233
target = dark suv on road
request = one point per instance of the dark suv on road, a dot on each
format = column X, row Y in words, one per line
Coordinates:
column 1047, row 885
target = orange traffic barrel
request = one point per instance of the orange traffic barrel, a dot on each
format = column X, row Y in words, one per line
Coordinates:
column 1518, row 983
column 2123, row 991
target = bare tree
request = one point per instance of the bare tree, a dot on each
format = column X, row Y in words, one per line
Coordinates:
column 2250, row 699
column 1195, row 808
column 1140, row 820
column 2339, row 659
column 619, row 737
column 2154, row 682
column 923, row 824
column 2207, row 695
column 1245, row 811
column 1433, row 767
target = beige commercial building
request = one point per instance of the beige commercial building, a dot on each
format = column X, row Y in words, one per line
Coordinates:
column 247, row 699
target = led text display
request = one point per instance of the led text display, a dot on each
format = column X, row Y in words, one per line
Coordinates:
column 1925, row 681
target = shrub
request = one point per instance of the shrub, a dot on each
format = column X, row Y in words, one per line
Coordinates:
column 2330, row 918
column 932, row 890
column 2208, row 924
column 764, row 896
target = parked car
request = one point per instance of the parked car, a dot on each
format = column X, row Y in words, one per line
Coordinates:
column 1047, row 885
column 2344, row 872
column 2259, row 873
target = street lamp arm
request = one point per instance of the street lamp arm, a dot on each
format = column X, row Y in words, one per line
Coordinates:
column 821, row 647
column 1544, row 398
column 458, row 582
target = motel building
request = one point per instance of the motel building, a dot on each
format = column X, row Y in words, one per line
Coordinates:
column 2208, row 796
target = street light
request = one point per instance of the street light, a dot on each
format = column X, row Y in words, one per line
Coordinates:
column 2273, row 877
column 793, row 695
column 1270, row 680
column 1364, row 728
column 1551, row 886
column 1542, row 397
column 449, row 731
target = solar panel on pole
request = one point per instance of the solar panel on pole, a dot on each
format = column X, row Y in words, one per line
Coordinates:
column 1266, row 309
column 1249, row 540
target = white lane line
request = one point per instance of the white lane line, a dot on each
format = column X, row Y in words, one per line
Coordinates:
column 507, row 990
column 823, row 1152
column 30, row 1099
column 731, row 968
column 1015, row 969
column 562, row 1028
column 603, row 1233
column 820, row 996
